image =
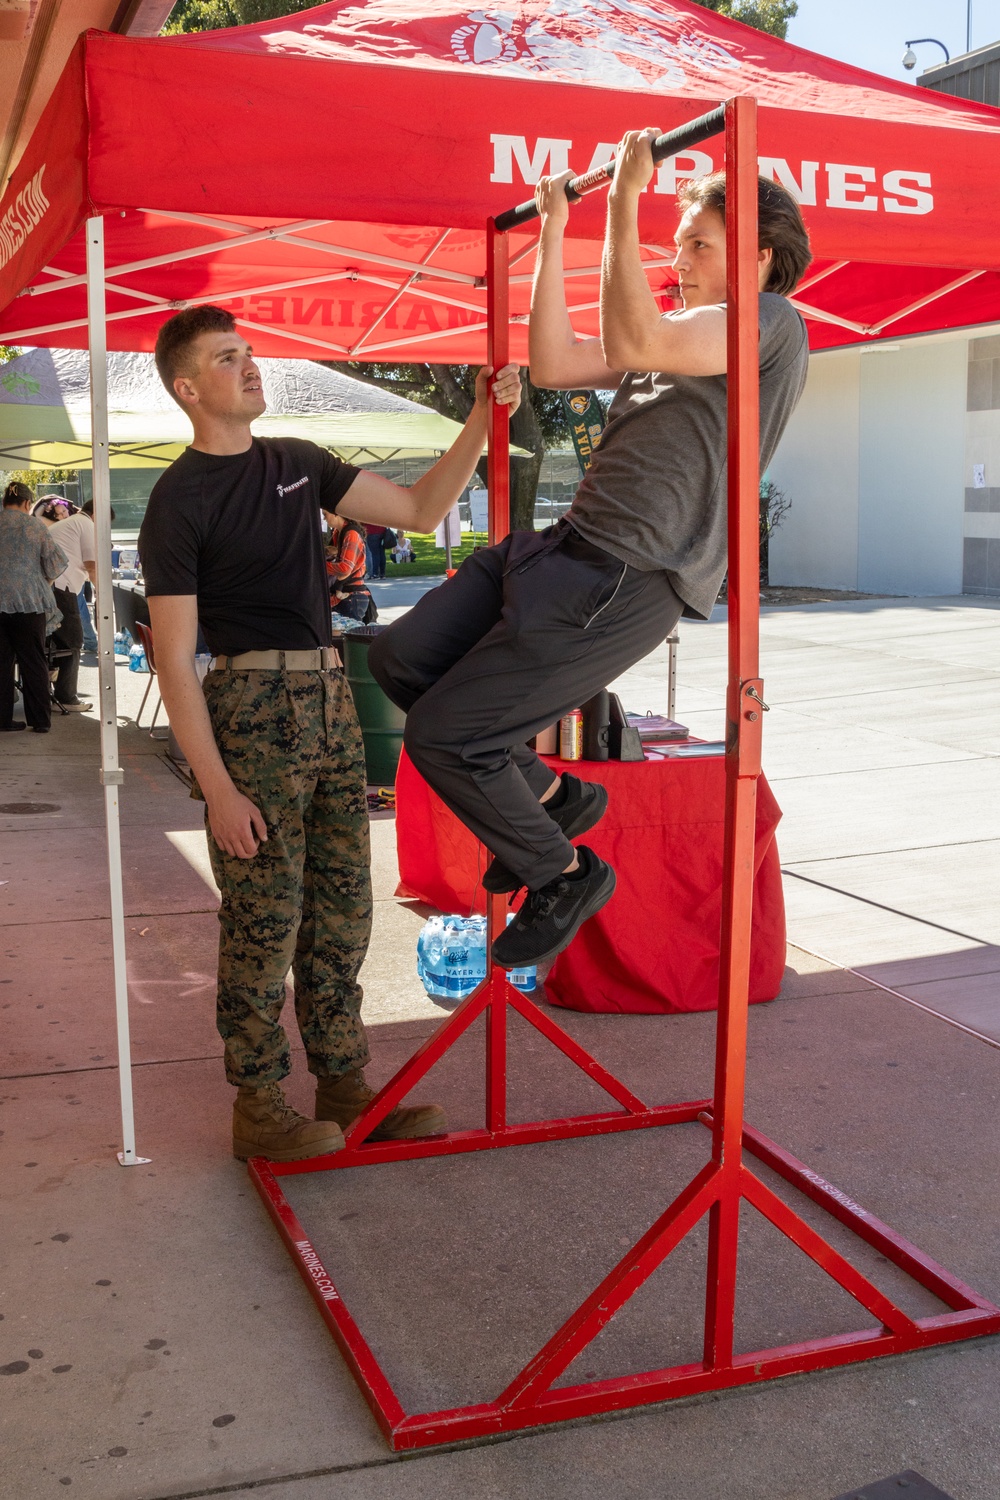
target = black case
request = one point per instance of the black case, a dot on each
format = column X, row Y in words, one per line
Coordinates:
column 597, row 726
column 623, row 740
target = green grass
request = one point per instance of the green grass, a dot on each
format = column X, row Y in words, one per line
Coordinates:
column 430, row 559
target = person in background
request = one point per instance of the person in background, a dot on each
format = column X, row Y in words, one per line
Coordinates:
column 86, row 619
column 77, row 537
column 375, row 536
column 403, row 550
column 53, row 508
column 29, row 560
column 345, row 567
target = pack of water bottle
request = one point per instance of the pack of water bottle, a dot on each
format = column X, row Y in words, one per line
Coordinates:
column 451, row 957
column 123, row 643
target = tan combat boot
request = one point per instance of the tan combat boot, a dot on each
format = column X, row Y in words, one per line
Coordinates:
column 264, row 1125
column 344, row 1098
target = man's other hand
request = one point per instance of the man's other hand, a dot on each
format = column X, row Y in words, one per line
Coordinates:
column 237, row 824
column 506, row 388
column 550, row 197
column 634, row 164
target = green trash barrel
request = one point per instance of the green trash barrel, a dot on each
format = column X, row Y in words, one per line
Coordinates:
column 381, row 721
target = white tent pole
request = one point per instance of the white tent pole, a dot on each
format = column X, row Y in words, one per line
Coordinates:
column 942, row 291
column 192, row 252
column 399, row 292
column 808, row 311
column 111, row 773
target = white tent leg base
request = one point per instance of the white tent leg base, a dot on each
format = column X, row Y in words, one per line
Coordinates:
column 125, row 1159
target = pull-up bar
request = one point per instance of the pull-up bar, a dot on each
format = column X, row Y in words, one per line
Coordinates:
column 672, row 143
column 537, row 1394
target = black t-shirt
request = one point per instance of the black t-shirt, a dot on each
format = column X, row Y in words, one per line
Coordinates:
column 243, row 533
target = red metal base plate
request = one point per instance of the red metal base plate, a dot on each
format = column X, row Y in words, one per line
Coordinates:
column 717, row 1191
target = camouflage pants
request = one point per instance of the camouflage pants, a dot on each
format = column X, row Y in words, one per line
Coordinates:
column 291, row 743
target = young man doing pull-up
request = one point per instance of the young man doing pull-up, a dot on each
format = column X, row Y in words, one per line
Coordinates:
column 536, row 625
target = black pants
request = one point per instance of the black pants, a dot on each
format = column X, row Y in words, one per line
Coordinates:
column 22, row 639
column 68, row 639
column 357, row 605
column 376, row 556
column 524, row 632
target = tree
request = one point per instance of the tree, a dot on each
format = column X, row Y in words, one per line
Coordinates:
column 765, row 15
column 774, row 506
column 212, row 15
column 450, row 389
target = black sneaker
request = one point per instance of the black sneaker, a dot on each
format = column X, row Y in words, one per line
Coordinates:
column 552, row 916
column 586, row 803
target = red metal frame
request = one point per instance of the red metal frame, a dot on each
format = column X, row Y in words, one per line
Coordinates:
column 725, row 1181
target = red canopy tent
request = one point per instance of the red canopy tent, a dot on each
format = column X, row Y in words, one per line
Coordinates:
column 327, row 175
column 230, row 209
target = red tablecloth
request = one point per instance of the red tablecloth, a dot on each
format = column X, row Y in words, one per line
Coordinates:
column 655, row 947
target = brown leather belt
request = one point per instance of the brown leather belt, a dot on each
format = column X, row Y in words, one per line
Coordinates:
column 321, row 660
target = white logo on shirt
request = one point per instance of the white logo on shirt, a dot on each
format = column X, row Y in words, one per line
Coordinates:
column 286, row 489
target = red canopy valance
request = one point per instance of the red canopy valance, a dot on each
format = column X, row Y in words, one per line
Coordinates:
column 328, row 175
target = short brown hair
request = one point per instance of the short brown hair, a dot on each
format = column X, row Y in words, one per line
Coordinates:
column 780, row 227
column 178, row 333
column 88, row 509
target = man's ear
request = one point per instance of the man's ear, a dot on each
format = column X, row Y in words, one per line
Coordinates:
column 185, row 391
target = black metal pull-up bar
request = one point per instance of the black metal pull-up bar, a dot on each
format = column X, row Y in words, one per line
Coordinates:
column 670, row 144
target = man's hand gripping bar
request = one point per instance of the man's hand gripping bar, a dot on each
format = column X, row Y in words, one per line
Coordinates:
column 670, row 144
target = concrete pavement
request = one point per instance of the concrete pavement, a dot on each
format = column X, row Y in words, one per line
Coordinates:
column 159, row 1343
column 883, row 748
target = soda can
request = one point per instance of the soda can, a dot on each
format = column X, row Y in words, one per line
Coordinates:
column 571, row 736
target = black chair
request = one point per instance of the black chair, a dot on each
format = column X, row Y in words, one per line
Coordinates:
column 53, row 655
column 146, row 642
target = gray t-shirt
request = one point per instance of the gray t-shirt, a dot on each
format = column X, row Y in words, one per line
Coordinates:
column 655, row 494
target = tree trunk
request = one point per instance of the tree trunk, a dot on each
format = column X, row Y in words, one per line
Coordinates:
column 450, row 396
column 457, row 401
column 525, row 432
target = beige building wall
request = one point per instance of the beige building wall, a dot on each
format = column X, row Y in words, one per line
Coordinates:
column 912, row 452
column 876, row 464
column 817, row 467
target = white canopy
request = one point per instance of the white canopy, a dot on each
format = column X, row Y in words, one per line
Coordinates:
column 45, row 413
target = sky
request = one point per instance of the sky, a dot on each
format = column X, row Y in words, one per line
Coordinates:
column 872, row 33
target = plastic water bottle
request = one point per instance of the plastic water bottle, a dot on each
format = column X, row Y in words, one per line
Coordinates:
column 451, row 957
column 522, row 979
column 464, row 954
column 123, row 643
column 430, row 967
column 137, row 659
